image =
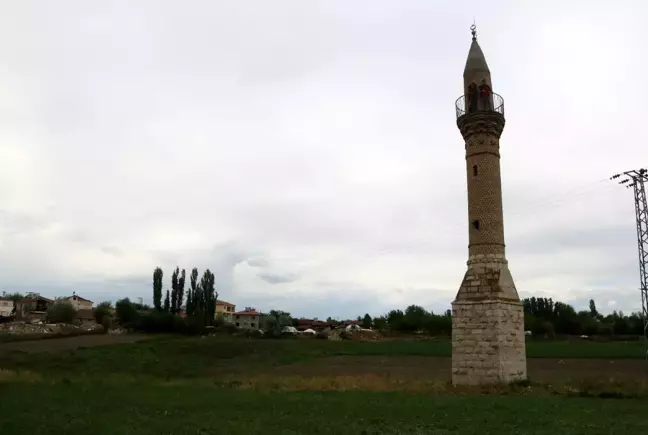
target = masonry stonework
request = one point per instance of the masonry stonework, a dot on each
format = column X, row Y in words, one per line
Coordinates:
column 488, row 344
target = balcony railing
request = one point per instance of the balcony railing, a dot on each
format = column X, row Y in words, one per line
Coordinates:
column 491, row 103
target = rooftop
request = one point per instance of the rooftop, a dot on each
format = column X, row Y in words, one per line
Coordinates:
column 78, row 297
column 36, row 298
column 219, row 302
column 247, row 313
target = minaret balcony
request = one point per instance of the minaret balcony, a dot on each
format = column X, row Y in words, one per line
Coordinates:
column 489, row 103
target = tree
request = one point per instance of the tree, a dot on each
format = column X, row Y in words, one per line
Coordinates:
column 209, row 295
column 367, row 321
column 191, row 294
column 592, row 307
column 102, row 311
column 157, row 288
column 380, row 323
column 126, row 313
column 180, row 290
column 395, row 319
column 174, row 290
column 415, row 317
column 15, row 297
column 565, row 319
column 275, row 321
column 167, row 302
column 61, row 312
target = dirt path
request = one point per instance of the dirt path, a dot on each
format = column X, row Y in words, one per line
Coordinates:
column 435, row 368
column 69, row 343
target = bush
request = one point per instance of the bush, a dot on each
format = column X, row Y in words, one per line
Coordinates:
column 193, row 326
column 164, row 322
column 61, row 312
column 101, row 311
column 219, row 320
column 107, row 323
column 159, row 321
column 126, row 313
column 230, row 328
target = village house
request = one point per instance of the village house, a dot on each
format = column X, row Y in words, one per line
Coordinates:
column 85, row 314
column 6, row 307
column 32, row 308
column 248, row 319
column 78, row 302
column 225, row 310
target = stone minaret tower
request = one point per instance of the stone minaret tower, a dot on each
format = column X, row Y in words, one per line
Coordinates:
column 487, row 316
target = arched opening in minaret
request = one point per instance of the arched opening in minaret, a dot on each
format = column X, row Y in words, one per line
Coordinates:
column 475, row 170
column 476, row 224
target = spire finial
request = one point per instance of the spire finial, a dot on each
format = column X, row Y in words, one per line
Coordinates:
column 473, row 30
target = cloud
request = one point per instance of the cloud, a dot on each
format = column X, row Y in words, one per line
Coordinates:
column 307, row 152
column 257, row 262
column 272, row 278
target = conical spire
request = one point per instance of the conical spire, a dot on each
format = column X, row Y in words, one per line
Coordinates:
column 476, row 62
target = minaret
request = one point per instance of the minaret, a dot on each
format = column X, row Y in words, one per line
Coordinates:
column 487, row 315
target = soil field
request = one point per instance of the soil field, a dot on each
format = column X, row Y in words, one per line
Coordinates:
column 162, row 357
column 427, row 368
column 69, row 343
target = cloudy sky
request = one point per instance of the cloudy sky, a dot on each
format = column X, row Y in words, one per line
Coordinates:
column 306, row 151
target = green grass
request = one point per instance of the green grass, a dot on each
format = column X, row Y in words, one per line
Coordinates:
column 122, row 409
column 586, row 349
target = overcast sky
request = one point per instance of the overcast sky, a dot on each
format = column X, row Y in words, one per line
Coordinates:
column 307, row 151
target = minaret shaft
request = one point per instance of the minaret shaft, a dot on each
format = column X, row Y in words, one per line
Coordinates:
column 485, row 211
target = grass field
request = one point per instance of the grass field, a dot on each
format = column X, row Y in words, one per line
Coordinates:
column 234, row 385
column 104, row 409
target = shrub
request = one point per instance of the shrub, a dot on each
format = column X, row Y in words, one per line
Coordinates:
column 126, row 313
column 101, row 311
column 61, row 312
column 219, row 320
column 230, row 328
column 107, row 323
column 193, row 326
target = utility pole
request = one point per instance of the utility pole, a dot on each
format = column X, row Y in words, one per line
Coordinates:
column 637, row 179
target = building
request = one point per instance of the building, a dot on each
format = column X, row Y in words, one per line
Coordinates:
column 225, row 310
column 32, row 308
column 316, row 325
column 488, row 343
column 6, row 307
column 248, row 319
column 78, row 302
column 86, row 316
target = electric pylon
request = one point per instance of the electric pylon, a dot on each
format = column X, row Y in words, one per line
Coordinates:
column 637, row 179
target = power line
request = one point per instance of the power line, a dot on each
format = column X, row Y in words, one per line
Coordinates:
column 636, row 179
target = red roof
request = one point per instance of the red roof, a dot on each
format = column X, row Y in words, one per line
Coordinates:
column 224, row 303
column 247, row 313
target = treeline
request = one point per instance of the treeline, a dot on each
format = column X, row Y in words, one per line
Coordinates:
column 543, row 316
column 415, row 319
column 198, row 307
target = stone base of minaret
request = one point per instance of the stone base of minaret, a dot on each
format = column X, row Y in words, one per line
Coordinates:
column 488, row 344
